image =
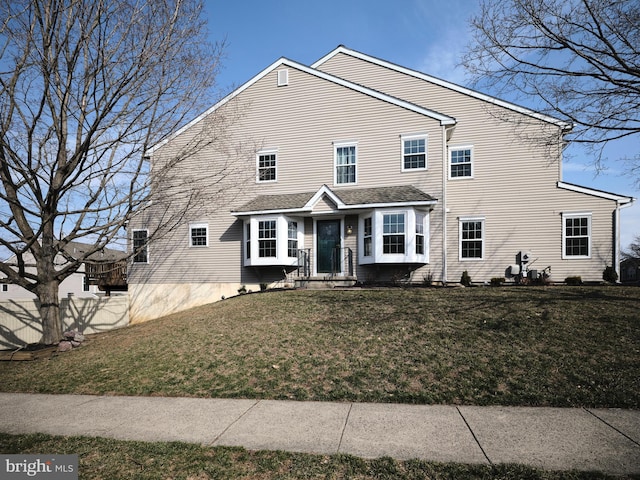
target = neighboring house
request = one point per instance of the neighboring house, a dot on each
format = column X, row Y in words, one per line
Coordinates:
column 630, row 270
column 367, row 171
column 106, row 274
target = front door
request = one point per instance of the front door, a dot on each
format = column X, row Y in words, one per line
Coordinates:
column 328, row 244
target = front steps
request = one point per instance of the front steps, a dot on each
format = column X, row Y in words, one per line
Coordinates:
column 324, row 282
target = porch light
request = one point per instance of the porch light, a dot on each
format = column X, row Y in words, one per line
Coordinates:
column 349, row 229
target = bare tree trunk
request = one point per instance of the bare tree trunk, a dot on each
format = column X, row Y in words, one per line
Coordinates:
column 50, row 312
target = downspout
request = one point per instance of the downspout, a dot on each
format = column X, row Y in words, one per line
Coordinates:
column 445, row 169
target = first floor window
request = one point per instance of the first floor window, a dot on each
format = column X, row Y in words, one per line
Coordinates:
column 267, row 238
column 420, row 233
column 267, row 163
column 414, row 153
column 140, row 246
column 471, row 238
column 292, row 245
column 345, row 159
column 5, row 287
column 577, row 235
column 460, row 162
column 368, row 238
column 393, row 232
column 85, row 283
column 248, row 240
column 199, row 235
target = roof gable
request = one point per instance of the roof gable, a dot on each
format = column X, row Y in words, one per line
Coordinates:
column 442, row 83
column 284, row 62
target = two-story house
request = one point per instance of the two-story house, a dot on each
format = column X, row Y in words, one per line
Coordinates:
column 363, row 170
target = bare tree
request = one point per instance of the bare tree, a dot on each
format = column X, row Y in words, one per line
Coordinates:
column 86, row 87
column 579, row 59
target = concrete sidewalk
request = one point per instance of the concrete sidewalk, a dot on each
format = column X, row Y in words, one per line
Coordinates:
column 606, row 440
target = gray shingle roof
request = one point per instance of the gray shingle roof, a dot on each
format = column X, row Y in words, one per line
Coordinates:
column 351, row 196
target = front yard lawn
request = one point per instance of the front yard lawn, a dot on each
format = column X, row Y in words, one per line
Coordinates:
column 547, row 346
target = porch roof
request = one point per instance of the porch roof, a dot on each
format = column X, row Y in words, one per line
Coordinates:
column 348, row 198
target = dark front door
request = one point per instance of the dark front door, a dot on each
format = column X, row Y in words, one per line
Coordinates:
column 328, row 246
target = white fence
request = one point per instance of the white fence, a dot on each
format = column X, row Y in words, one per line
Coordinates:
column 20, row 319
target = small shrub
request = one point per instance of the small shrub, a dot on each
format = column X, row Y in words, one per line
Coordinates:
column 242, row 290
column 263, row 286
column 465, row 279
column 427, row 279
column 497, row 281
column 610, row 275
column 573, row 281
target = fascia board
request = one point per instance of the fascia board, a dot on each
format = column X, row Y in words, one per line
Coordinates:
column 443, row 83
column 270, row 212
column 423, row 203
column 621, row 199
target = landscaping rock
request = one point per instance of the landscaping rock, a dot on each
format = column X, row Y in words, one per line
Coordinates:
column 78, row 337
column 64, row 346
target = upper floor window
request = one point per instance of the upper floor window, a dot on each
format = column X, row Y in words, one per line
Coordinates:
column 393, row 231
column 461, row 162
column 345, row 163
column 471, row 239
column 576, row 235
column 199, row 235
column 267, row 238
column 292, row 243
column 267, row 166
column 140, row 238
column 414, row 152
column 5, row 287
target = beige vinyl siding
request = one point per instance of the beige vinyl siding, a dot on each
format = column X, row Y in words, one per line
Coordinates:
column 513, row 185
column 302, row 120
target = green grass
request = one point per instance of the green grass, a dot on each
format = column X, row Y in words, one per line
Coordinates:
column 105, row 459
column 554, row 346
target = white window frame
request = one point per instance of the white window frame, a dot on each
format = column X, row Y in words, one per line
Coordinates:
column 483, row 239
column 411, row 214
column 337, row 146
column 292, row 239
column 252, row 240
column 420, row 231
column 258, row 168
column 247, row 240
column 274, row 238
column 407, row 138
column 367, row 235
column 394, row 234
column 573, row 215
column 458, row 148
column 192, row 227
column 283, row 77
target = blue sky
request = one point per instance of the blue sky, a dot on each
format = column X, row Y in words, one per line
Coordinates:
column 424, row 35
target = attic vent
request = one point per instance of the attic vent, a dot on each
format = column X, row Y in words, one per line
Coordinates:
column 283, row 77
